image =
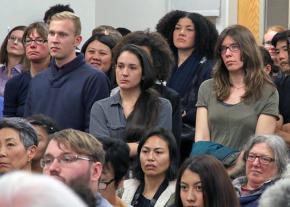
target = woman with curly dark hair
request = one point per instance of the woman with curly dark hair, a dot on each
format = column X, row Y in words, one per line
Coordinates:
column 192, row 38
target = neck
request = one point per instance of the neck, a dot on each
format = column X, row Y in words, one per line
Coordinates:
column 253, row 186
column 237, row 80
column 61, row 62
column 151, row 185
column 37, row 67
column 12, row 61
column 130, row 95
column 183, row 55
column 35, row 166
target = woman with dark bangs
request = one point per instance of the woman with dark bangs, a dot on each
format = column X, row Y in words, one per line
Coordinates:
column 203, row 182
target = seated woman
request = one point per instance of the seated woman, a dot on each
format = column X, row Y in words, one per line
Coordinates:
column 241, row 99
column 157, row 165
column 98, row 53
column 203, row 182
column 18, row 143
column 114, row 170
column 43, row 126
column 266, row 158
column 136, row 107
column 162, row 60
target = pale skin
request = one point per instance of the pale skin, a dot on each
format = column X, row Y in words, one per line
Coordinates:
column 266, row 124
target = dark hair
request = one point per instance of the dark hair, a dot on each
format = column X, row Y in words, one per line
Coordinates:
column 281, row 36
column 56, row 9
column 47, row 123
column 168, row 137
column 217, row 187
column 123, row 31
column 3, row 50
column 27, row 134
column 117, row 155
column 206, row 33
column 146, row 108
column 161, row 54
column 267, row 60
column 108, row 30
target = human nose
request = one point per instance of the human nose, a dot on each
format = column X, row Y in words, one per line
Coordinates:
column 190, row 195
column 54, row 165
column 2, row 151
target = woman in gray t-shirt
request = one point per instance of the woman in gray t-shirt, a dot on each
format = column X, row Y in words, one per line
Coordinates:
column 240, row 100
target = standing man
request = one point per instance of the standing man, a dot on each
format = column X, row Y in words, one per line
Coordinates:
column 74, row 156
column 67, row 90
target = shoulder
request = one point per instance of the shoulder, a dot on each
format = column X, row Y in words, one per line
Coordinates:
column 18, row 79
column 207, row 83
column 269, row 90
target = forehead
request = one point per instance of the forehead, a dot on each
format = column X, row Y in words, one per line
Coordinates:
column 56, row 148
column 17, row 33
column 185, row 21
column 155, row 142
column 64, row 25
column 190, row 175
column 128, row 56
column 33, row 33
column 98, row 45
column 261, row 148
column 281, row 43
column 228, row 40
column 269, row 35
column 6, row 133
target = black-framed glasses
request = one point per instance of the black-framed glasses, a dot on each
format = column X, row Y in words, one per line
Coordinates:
column 104, row 184
column 263, row 159
column 64, row 159
column 235, row 47
column 15, row 39
column 29, row 41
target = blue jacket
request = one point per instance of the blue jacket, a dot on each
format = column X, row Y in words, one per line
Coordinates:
column 67, row 94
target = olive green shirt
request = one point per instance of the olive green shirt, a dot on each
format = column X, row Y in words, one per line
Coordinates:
column 232, row 125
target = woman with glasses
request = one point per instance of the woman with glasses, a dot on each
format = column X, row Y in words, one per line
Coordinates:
column 37, row 59
column 155, row 172
column 240, row 100
column 266, row 158
column 11, row 56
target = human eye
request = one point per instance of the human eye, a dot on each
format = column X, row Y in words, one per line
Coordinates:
column 223, row 49
column 235, row 46
column 62, row 34
column 11, row 144
column 198, row 187
column 177, row 27
column 47, row 160
column 133, row 67
column 183, row 187
column 27, row 41
column 277, row 51
column 12, row 37
column 40, row 41
column 120, row 65
column 144, row 151
column 251, row 157
column 68, row 158
column 266, row 159
column 51, row 33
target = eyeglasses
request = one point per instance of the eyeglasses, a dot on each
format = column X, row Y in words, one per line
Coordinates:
column 36, row 41
column 265, row 160
column 235, row 47
column 104, row 184
column 15, row 39
column 64, row 159
column 267, row 43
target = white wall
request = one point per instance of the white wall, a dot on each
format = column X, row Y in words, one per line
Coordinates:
column 24, row 12
column 133, row 14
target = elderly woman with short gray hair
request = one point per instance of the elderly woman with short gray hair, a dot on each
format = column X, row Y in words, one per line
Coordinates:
column 18, row 143
column 266, row 158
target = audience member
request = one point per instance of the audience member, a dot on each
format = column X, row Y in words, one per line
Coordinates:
column 267, row 43
column 18, row 143
column 277, row 195
column 203, row 181
column 114, row 169
column 123, row 30
column 155, row 173
column 241, row 99
column 67, row 90
column 43, row 126
column 98, row 53
column 280, row 42
column 37, row 59
column 269, row 67
column 20, row 189
column 162, row 61
column 192, row 38
column 108, row 30
column 135, row 108
column 56, row 9
column 266, row 158
column 11, row 56
column 75, row 155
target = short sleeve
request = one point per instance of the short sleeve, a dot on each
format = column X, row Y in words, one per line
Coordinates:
column 165, row 114
column 204, row 93
column 272, row 104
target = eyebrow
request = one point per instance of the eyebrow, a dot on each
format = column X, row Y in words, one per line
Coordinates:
column 10, row 139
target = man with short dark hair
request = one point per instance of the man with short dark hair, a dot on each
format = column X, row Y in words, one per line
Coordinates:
column 280, row 42
column 67, row 90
